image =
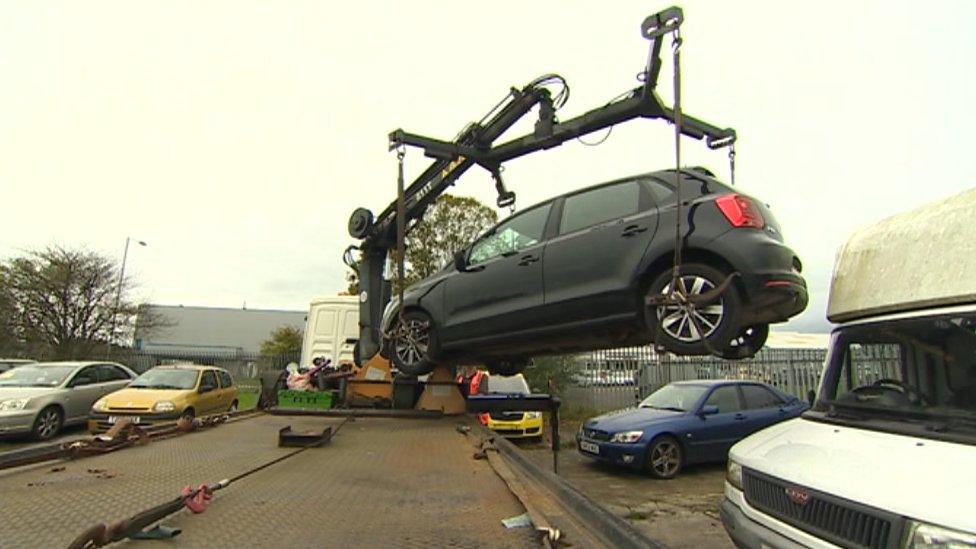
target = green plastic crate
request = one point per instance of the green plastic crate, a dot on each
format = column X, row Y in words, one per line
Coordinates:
column 316, row 400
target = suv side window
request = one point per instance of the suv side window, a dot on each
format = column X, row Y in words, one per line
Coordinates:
column 209, row 378
column 760, row 397
column 225, row 380
column 599, row 205
column 726, row 398
column 524, row 230
column 662, row 192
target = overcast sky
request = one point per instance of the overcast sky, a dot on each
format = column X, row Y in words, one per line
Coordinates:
column 236, row 137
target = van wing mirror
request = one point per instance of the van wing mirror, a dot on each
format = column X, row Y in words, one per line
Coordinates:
column 708, row 410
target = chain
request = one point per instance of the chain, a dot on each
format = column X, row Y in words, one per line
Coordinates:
column 732, row 163
column 676, row 50
column 401, row 152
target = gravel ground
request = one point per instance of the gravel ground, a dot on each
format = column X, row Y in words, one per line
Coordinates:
column 678, row 513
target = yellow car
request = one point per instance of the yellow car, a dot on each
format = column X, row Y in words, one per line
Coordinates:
column 164, row 394
column 510, row 424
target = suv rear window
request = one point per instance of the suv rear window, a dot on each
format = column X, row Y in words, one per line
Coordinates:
column 603, row 204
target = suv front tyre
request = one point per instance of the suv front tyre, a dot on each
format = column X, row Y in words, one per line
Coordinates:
column 413, row 343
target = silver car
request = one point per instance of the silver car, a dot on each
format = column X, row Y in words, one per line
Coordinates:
column 42, row 398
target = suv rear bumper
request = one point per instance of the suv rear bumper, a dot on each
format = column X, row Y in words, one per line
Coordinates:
column 775, row 297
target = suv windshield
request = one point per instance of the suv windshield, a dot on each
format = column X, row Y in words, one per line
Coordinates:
column 914, row 371
column 32, row 375
column 680, row 398
column 166, row 378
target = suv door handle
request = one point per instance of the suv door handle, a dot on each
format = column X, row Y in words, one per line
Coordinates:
column 527, row 260
column 631, row 230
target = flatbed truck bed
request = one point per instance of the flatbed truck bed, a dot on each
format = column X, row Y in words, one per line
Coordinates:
column 388, row 482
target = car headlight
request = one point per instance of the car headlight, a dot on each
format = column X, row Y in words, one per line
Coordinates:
column 925, row 536
column 100, row 405
column 733, row 474
column 533, row 415
column 627, row 437
column 163, row 406
column 14, row 404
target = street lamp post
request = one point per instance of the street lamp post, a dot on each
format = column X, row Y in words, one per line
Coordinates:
column 118, row 288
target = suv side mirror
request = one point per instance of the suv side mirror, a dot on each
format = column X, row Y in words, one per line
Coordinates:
column 461, row 260
column 708, row 410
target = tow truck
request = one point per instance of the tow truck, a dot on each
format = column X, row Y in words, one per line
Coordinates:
column 475, row 146
column 357, row 477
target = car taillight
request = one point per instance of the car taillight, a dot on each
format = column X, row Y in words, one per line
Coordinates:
column 740, row 211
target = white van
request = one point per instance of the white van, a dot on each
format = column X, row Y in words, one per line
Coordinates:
column 331, row 321
column 887, row 455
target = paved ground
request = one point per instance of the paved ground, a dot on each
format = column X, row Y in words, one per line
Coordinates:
column 679, row 513
column 380, row 482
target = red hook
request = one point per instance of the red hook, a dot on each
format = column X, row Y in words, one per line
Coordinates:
column 197, row 502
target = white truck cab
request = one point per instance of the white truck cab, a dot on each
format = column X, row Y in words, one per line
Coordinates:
column 330, row 323
column 886, row 457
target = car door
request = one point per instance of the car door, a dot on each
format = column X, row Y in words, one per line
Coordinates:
column 82, row 390
column 763, row 406
column 714, row 434
column 602, row 236
column 112, row 378
column 227, row 390
column 209, row 399
column 501, row 290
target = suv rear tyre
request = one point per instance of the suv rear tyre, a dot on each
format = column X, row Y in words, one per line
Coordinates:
column 413, row 343
column 672, row 327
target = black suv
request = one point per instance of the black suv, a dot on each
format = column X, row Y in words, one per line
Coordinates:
column 574, row 273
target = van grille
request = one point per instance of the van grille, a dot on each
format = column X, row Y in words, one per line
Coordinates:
column 839, row 521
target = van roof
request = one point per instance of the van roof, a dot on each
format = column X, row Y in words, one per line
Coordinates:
column 918, row 259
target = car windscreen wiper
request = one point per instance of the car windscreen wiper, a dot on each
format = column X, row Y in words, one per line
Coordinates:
column 671, row 408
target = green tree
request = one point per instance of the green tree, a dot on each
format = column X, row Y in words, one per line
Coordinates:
column 451, row 223
column 283, row 340
column 558, row 368
column 61, row 302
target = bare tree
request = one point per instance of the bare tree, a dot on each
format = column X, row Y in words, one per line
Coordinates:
column 62, row 301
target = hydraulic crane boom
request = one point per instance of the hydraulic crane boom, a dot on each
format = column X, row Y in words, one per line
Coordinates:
column 475, row 146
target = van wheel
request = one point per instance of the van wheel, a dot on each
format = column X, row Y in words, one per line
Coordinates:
column 672, row 325
column 664, row 457
column 413, row 343
column 749, row 342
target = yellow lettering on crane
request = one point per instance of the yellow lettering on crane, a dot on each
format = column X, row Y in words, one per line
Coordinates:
column 452, row 166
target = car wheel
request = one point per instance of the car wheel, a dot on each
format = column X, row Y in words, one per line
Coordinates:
column 413, row 343
column 664, row 457
column 506, row 367
column 48, row 423
column 747, row 343
column 672, row 326
column 188, row 414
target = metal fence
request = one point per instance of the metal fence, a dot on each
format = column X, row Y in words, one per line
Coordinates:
column 618, row 378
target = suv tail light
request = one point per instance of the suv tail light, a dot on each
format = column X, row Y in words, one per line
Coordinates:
column 740, row 211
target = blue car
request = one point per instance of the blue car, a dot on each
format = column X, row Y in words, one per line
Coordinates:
column 685, row 422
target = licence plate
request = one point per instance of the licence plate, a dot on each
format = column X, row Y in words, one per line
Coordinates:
column 115, row 419
column 589, row 447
